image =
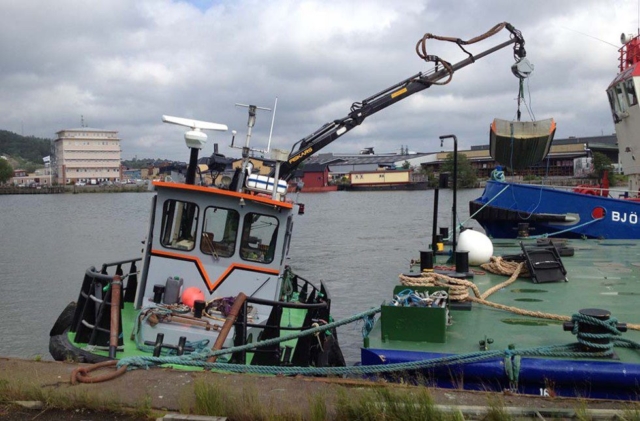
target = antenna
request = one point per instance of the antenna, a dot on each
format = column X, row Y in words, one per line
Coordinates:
column 245, row 149
column 250, row 123
column 194, row 138
column 194, row 124
column 590, row 36
column 273, row 118
column 81, row 120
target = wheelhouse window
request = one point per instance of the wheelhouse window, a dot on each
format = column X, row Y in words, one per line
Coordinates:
column 219, row 231
column 612, row 100
column 179, row 223
column 631, row 92
column 621, row 100
column 259, row 234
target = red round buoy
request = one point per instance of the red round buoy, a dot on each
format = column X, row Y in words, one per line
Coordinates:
column 190, row 295
column 598, row 213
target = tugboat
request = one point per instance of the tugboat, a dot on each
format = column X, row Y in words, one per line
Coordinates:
column 510, row 210
column 213, row 274
column 211, row 254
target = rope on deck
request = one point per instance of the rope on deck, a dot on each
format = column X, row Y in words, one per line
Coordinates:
column 458, row 288
column 148, row 361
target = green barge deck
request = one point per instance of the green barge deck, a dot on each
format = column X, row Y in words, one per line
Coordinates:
column 602, row 275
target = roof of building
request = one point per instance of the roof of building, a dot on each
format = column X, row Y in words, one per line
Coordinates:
column 604, row 140
column 314, row 167
column 384, row 159
column 86, row 129
column 599, row 142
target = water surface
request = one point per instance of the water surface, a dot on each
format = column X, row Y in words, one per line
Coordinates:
column 356, row 242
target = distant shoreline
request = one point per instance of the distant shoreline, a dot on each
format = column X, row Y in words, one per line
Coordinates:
column 125, row 188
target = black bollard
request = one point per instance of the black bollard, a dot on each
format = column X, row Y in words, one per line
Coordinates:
column 592, row 329
column 426, row 261
column 462, row 261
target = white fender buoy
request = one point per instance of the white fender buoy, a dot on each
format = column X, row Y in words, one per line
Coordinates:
column 477, row 244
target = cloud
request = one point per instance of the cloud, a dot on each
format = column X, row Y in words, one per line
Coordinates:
column 122, row 64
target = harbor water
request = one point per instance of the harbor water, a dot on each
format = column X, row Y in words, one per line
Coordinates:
column 357, row 243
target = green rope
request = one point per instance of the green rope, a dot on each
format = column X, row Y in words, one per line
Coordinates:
column 511, row 357
column 287, row 284
column 607, row 338
column 272, row 341
column 368, row 324
column 199, row 360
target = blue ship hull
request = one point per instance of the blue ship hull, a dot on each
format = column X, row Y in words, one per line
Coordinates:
column 537, row 376
column 548, row 211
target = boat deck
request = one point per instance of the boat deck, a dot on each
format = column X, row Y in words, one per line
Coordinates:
column 601, row 275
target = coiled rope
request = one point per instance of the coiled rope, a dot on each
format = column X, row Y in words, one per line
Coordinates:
column 459, row 288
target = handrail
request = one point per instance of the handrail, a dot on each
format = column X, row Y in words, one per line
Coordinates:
column 287, row 304
column 594, row 187
column 118, row 263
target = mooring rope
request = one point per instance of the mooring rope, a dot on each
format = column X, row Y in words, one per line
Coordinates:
column 268, row 342
column 485, row 205
column 566, row 230
column 603, row 342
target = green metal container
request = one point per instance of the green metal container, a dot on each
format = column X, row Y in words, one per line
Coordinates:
column 414, row 324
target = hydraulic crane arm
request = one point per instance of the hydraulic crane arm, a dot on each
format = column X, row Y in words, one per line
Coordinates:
column 304, row 148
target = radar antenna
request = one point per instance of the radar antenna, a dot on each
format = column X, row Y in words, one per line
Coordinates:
column 194, row 138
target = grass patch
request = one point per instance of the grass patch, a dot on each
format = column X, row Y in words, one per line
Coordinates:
column 318, row 408
column 496, row 410
column 391, row 404
column 630, row 414
column 213, row 399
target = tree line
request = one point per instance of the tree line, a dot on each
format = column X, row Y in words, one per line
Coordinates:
column 29, row 148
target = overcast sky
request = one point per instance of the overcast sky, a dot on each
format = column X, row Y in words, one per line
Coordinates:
column 122, row 64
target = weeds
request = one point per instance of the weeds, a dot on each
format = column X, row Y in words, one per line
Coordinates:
column 496, row 410
column 318, row 408
column 214, row 399
column 391, row 404
column 631, row 414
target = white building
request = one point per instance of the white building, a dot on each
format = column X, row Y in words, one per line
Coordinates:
column 87, row 155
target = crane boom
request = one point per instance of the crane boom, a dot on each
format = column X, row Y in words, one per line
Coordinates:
column 306, row 147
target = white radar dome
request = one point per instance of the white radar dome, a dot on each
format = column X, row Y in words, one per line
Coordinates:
column 477, row 244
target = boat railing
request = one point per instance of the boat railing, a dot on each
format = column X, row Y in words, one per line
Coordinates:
column 91, row 321
column 118, row 265
column 316, row 307
column 597, row 190
column 130, row 284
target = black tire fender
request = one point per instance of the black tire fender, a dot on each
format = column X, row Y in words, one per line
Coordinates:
column 64, row 320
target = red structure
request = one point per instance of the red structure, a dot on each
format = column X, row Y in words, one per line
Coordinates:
column 312, row 178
